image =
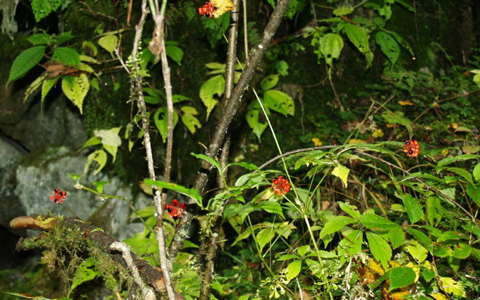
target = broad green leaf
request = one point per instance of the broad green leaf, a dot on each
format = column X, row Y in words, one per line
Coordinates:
column 335, row 224
column 42, row 8
column 63, row 37
column 109, row 42
column 192, row 193
column 99, row 157
column 434, row 210
column 389, row 46
column 264, row 236
column 453, row 287
column 40, row 39
column 398, row 118
column 77, row 91
column 208, row 159
column 109, row 136
column 237, row 209
column 359, row 37
column 341, row 172
column 249, row 180
column 175, row 53
column 396, row 236
column 253, row 119
column 352, row 242
column 343, row 10
column 269, row 82
column 293, row 269
column 376, row 222
column 462, row 173
column 350, row 209
column 476, row 79
column 85, row 272
column 271, row 207
column 380, row 249
column 331, row 46
column 66, row 56
column 25, row 61
column 215, row 86
column 473, row 192
column 47, row 86
column 417, row 251
column 191, row 122
column 90, row 48
column 279, row 102
column 422, row 238
column 461, row 251
column 302, row 251
column 413, row 207
column 401, row 277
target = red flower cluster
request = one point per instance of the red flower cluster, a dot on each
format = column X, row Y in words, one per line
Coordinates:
column 280, row 185
column 176, row 209
column 412, row 148
column 58, row 196
column 207, row 10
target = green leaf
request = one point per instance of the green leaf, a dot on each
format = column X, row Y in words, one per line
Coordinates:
column 109, row 42
column 380, row 249
column 341, row 172
column 389, row 46
column 209, row 159
column 35, row 85
column 269, row 82
column 331, row 46
column 66, row 56
column 210, row 88
column 191, row 122
column 47, row 86
column 40, row 39
column 401, row 277
column 335, row 224
column 279, row 102
column 350, row 209
column 25, row 61
column 175, row 53
column 100, row 157
column 474, row 193
column 452, row 287
column 422, row 238
column 343, row 10
column 84, row 273
column 352, row 242
column 359, row 37
column 462, row 172
column 160, row 118
column 271, row 207
column 396, row 236
column 417, row 251
column 109, row 136
column 376, row 222
column 398, row 118
column 413, row 207
column 253, row 119
column 192, row 193
column 434, row 210
column 448, row 160
column 293, row 269
column 77, row 91
column 476, row 172
column 264, row 236
column 91, row 142
column 42, row 8
column 461, row 251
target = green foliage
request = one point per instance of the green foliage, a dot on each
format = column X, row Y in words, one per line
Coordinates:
column 42, row 8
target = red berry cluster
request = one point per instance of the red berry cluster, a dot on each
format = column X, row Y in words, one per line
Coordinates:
column 412, row 148
column 176, row 209
column 280, row 185
column 207, row 10
column 58, row 196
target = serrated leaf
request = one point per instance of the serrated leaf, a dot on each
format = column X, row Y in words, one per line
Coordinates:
column 398, row 118
column 293, row 269
column 269, row 82
column 109, row 42
column 413, row 207
column 66, row 56
column 422, row 238
column 401, row 277
column 271, row 207
column 376, row 222
column 380, row 249
column 40, row 39
column 25, row 61
column 215, row 86
column 335, row 224
column 192, row 193
column 341, row 172
column 208, row 159
column 85, row 272
column 389, row 46
column 448, row 160
column 359, row 37
column 253, row 119
column 76, row 92
column 417, row 251
column 279, row 102
column 343, row 10
column 352, row 242
column 350, row 209
column 396, row 236
column 452, row 287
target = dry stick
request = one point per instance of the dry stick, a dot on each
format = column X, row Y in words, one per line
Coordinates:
column 138, row 94
column 228, row 114
column 208, row 250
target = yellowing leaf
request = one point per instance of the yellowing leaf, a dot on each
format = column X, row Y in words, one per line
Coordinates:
column 109, row 43
column 356, row 141
column 213, row 86
column 405, row 102
column 452, row 287
column 341, row 172
column 317, row 142
column 438, row 296
column 76, row 89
